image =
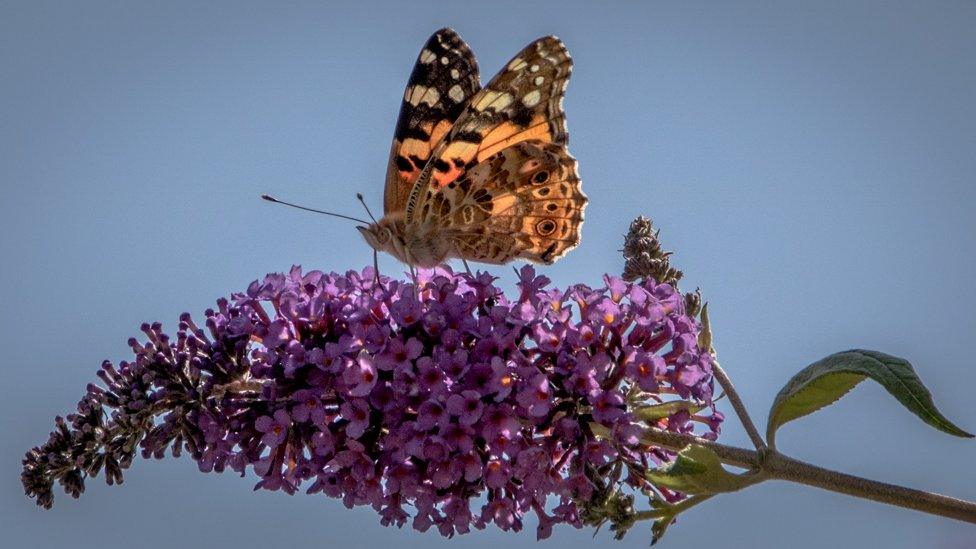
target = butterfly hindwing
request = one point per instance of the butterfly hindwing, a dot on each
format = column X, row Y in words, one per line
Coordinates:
column 523, row 102
column 523, row 202
column 444, row 79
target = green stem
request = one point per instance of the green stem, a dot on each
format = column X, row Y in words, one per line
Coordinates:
column 772, row 464
column 738, row 406
column 672, row 510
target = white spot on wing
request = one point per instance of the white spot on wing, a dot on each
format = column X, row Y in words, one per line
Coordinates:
column 427, row 56
column 456, row 93
column 532, row 98
column 422, row 94
column 496, row 100
column 503, row 101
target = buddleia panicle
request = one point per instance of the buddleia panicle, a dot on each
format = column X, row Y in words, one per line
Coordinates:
column 448, row 405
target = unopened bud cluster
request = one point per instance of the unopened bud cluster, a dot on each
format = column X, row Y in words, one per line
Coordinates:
column 643, row 256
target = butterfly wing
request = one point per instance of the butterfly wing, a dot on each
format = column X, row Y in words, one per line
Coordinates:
column 502, row 185
column 522, row 102
column 444, row 79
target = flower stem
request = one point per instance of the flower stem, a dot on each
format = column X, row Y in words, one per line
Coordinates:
column 738, row 406
column 730, row 455
column 673, row 509
column 772, row 464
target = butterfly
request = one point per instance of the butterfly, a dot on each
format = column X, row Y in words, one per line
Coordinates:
column 481, row 174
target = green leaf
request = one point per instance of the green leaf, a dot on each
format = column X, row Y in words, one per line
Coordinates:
column 698, row 470
column 654, row 412
column 825, row 381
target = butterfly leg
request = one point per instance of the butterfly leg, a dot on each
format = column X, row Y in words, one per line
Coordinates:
column 413, row 276
column 467, row 268
column 376, row 267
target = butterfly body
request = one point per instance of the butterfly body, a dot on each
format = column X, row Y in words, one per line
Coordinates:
column 481, row 174
column 422, row 246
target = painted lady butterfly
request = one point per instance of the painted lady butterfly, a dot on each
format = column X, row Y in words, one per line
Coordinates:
column 481, row 173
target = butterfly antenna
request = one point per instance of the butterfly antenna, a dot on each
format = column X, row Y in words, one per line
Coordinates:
column 273, row 199
column 363, row 202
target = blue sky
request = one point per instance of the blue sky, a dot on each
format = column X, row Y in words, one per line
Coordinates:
column 811, row 165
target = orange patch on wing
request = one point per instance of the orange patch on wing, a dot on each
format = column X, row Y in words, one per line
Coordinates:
column 508, row 134
column 438, row 132
column 441, row 179
column 412, row 147
column 458, row 150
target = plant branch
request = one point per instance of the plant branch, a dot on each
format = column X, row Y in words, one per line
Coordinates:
column 773, row 464
column 783, row 467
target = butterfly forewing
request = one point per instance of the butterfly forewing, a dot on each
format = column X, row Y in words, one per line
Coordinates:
column 522, row 102
column 444, row 79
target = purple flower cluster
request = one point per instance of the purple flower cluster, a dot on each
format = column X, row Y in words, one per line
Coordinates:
column 445, row 403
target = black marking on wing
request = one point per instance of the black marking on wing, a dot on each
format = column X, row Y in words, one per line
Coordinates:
column 434, row 73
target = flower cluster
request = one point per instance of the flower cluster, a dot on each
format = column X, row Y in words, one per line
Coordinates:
column 443, row 402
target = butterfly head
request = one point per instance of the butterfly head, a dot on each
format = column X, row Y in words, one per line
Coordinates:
column 386, row 235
